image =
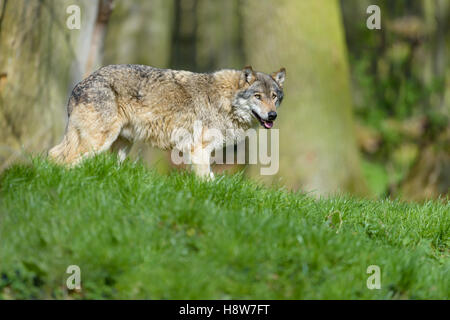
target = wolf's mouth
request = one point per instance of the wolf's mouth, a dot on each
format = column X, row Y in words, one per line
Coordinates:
column 265, row 123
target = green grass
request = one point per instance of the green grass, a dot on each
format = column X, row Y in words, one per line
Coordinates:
column 137, row 234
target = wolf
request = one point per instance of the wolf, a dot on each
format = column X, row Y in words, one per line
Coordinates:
column 120, row 104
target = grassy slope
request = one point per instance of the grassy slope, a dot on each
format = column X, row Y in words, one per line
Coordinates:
column 136, row 234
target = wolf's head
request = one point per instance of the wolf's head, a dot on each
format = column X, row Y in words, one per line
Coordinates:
column 259, row 95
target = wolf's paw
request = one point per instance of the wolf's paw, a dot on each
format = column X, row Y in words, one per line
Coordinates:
column 206, row 176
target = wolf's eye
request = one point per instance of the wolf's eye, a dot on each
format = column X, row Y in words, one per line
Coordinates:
column 258, row 96
column 274, row 96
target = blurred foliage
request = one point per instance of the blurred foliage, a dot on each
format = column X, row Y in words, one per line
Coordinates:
column 399, row 76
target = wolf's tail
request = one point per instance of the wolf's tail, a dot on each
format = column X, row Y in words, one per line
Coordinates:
column 66, row 151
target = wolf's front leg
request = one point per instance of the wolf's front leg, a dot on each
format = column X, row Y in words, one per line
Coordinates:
column 200, row 160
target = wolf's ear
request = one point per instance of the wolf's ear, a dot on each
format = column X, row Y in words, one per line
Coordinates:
column 248, row 76
column 279, row 76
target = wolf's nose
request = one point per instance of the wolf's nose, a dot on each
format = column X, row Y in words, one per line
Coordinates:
column 272, row 115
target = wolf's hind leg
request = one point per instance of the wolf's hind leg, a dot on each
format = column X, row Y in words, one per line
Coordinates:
column 87, row 134
column 121, row 146
column 78, row 145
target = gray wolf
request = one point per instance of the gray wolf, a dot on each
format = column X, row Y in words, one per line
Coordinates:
column 120, row 104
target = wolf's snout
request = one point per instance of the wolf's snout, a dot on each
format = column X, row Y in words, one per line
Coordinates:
column 272, row 115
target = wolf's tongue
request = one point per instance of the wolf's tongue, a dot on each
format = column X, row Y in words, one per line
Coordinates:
column 268, row 124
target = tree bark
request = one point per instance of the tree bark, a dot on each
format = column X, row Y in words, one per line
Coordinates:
column 104, row 10
column 36, row 53
column 219, row 38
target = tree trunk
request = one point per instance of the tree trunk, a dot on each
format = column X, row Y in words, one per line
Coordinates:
column 140, row 32
column 318, row 150
column 94, row 61
column 36, row 53
column 219, row 38
column 429, row 177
